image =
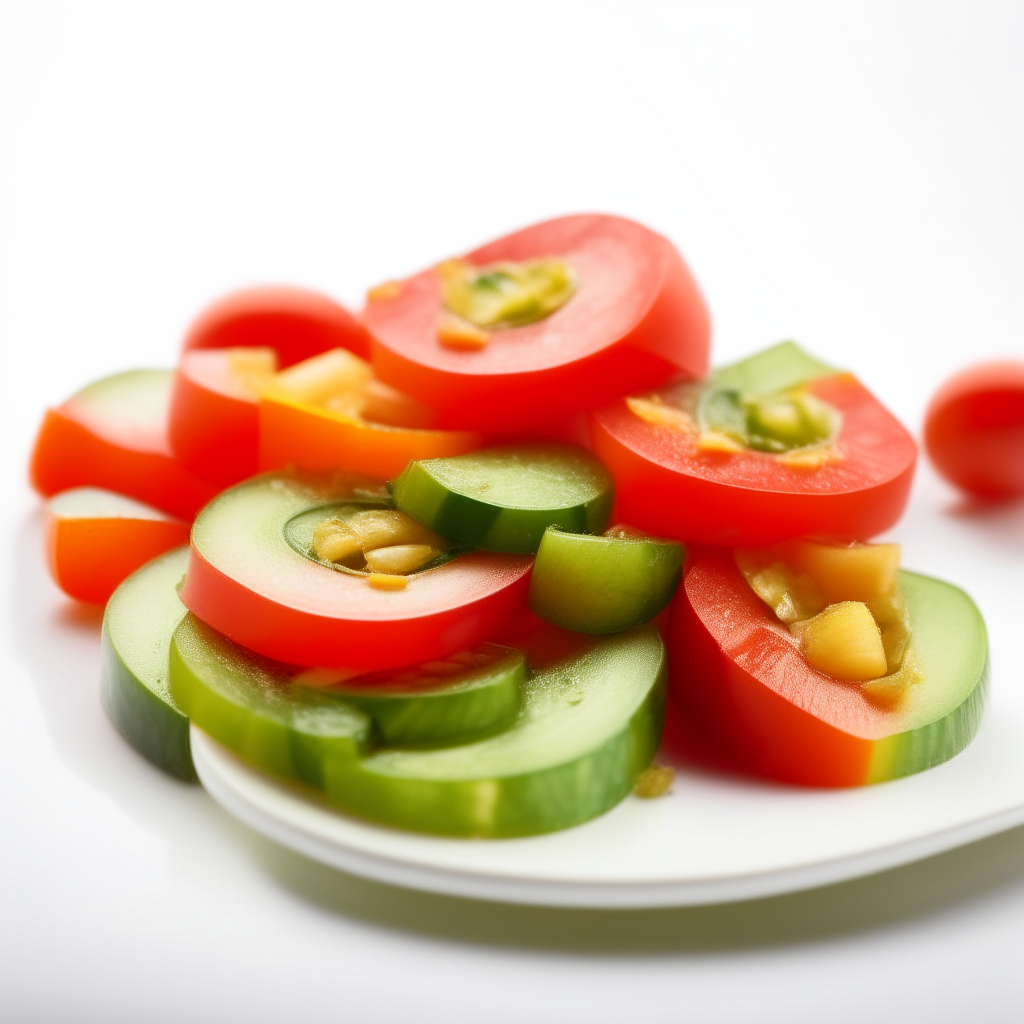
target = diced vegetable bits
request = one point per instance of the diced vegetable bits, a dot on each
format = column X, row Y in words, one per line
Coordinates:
column 336, row 380
column 843, row 603
column 384, row 542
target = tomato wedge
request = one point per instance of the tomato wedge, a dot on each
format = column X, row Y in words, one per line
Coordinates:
column 667, row 485
column 250, row 577
column 637, row 319
column 974, row 430
column 113, row 434
column 739, row 677
column 96, row 538
column 295, row 322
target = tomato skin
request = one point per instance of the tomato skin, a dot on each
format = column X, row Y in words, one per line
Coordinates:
column 363, row 637
column 294, row 433
column 666, row 486
column 89, row 558
column 974, row 430
column 295, row 322
column 70, row 452
column 739, row 677
column 636, row 320
column 212, row 427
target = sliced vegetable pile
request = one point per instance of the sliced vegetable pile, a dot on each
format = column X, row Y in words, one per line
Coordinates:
column 431, row 546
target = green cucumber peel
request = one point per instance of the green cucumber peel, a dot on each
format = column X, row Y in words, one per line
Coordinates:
column 940, row 715
column 504, row 498
column 603, row 584
column 586, row 727
column 139, row 620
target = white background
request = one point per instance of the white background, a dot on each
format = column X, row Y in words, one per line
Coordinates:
column 846, row 174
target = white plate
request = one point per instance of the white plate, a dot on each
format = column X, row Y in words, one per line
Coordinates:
column 717, row 838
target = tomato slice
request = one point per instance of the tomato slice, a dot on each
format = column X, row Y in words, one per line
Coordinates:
column 250, row 579
column 113, row 434
column 738, row 675
column 974, row 430
column 295, row 322
column 668, row 486
column 213, row 420
column 637, row 319
column 96, row 538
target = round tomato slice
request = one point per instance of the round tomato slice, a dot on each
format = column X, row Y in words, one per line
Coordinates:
column 669, row 486
column 738, row 675
column 251, row 577
column 636, row 319
column 295, row 322
column 974, row 430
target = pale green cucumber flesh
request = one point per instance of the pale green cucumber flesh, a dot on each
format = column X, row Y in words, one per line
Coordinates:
column 940, row 715
column 503, row 498
column 603, row 584
column 139, row 620
column 437, row 703
column 586, row 728
column 249, row 704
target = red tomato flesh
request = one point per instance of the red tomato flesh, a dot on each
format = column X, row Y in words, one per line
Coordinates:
column 738, row 674
column 667, row 486
column 213, row 421
column 295, row 322
column 974, row 430
column 636, row 320
column 113, row 434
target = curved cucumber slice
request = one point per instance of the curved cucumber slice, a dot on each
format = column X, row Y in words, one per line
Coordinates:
column 504, row 498
column 140, row 617
column 454, row 700
column 603, row 584
column 588, row 725
column 249, row 704
column 941, row 715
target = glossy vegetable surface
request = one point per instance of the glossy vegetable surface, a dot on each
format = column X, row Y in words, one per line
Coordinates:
column 589, row 724
column 668, row 485
column 96, row 538
column 739, row 676
column 113, row 435
column 636, row 319
column 137, row 627
column 252, row 577
column 974, row 430
column 603, row 584
column 295, row 322
column 504, row 498
column 296, row 433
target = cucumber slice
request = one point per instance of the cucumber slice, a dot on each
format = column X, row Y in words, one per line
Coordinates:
column 774, row 369
column 603, row 584
column 588, row 725
column 248, row 704
column 504, row 498
column 254, row 705
column 454, row 700
column 940, row 716
column 140, row 617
